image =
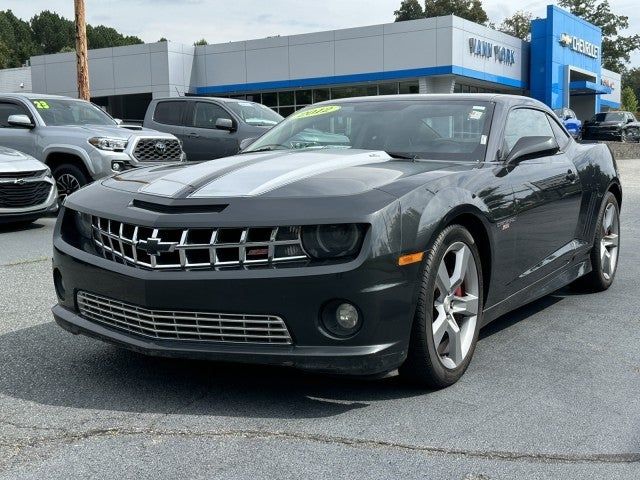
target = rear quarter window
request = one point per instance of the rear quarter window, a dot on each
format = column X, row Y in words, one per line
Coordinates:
column 170, row 112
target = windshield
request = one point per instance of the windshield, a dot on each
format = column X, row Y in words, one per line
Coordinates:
column 255, row 113
column 454, row 130
column 59, row 112
column 609, row 117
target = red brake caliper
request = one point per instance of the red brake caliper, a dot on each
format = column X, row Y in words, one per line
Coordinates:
column 459, row 292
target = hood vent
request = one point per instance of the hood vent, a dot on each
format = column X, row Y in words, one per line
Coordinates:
column 175, row 209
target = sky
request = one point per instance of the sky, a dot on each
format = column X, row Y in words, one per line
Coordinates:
column 221, row 21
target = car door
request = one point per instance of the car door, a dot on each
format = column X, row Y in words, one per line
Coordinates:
column 18, row 138
column 203, row 140
column 547, row 194
column 169, row 116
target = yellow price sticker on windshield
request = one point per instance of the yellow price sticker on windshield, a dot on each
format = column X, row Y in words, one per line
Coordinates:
column 41, row 104
column 312, row 112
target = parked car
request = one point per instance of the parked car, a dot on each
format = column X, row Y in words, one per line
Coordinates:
column 621, row 126
column 570, row 121
column 78, row 140
column 27, row 189
column 210, row 127
column 442, row 213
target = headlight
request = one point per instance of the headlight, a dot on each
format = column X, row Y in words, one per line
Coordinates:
column 83, row 224
column 110, row 144
column 333, row 241
column 47, row 173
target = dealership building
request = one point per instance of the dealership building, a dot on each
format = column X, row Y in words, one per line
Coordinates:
column 560, row 65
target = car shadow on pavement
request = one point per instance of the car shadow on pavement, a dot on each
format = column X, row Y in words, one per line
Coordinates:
column 46, row 365
column 20, row 227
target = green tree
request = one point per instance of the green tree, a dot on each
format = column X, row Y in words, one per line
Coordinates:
column 518, row 25
column 616, row 48
column 105, row 37
column 631, row 78
column 629, row 100
column 17, row 40
column 52, row 32
column 409, row 10
column 469, row 9
column 202, row 41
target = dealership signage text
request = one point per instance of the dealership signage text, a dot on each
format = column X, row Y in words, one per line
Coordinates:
column 485, row 49
column 579, row 45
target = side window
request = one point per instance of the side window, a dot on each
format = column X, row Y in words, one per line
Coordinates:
column 525, row 122
column 7, row 109
column 169, row 112
column 561, row 136
column 205, row 115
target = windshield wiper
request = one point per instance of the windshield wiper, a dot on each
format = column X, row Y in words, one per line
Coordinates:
column 401, row 156
column 267, row 148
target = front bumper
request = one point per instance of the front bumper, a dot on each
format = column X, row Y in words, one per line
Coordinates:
column 383, row 292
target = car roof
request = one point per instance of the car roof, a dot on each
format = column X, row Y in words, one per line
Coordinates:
column 506, row 99
column 36, row 96
column 199, row 98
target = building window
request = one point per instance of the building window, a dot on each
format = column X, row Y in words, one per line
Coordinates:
column 388, row 88
column 409, row 87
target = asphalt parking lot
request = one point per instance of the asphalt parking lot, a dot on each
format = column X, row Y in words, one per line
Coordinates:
column 553, row 392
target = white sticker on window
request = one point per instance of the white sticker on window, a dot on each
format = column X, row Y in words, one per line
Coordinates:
column 475, row 115
column 480, row 108
column 483, row 140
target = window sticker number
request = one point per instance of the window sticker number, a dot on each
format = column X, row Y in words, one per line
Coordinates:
column 317, row 111
column 41, row 104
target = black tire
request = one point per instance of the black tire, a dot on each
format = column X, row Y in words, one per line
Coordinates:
column 69, row 178
column 423, row 365
column 597, row 280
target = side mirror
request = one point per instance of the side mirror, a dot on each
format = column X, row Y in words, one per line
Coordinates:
column 629, row 120
column 245, row 142
column 532, row 147
column 21, row 121
column 224, row 124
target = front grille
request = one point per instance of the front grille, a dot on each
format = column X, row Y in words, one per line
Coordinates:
column 157, row 150
column 196, row 248
column 179, row 325
column 13, row 175
column 24, row 195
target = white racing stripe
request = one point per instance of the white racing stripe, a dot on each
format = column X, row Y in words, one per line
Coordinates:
column 279, row 170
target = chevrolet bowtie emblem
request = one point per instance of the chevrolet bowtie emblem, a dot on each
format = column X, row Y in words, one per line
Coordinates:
column 155, row 247
column 566, row 39
column 19, row 181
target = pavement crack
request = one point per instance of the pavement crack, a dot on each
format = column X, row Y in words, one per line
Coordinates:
column 70, row 437
column 26, row 262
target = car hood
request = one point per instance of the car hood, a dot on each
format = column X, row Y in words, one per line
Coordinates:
column 606, row 124
column 305, row 173
column 110, row 131
column 14, row 161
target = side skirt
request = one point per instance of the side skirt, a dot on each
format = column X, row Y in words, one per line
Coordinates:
column 542, row 287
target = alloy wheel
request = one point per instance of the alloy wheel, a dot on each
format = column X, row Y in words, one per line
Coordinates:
column 609, row 241
column 67, row 184
column 455, row 305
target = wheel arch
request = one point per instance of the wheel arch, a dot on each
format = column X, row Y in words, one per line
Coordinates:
column 616, row 189
column 56, row 158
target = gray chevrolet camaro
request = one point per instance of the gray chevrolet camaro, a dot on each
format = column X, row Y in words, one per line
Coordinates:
column 358, row 236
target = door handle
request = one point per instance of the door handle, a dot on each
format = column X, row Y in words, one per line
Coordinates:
column 192, row 135
column 571, row 176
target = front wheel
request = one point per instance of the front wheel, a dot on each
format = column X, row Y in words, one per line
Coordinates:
column 604, row 254
column 448, row 313
column 69, row 178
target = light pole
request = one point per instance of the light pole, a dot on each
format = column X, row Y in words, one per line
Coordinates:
column 81, row 51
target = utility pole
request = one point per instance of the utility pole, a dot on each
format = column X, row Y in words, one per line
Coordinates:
column 81, row 51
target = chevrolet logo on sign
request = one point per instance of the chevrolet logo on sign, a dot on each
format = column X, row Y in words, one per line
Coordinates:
column 579, row 45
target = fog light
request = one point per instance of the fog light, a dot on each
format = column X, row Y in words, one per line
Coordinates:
column 347, row 316
column 117, row 166
column 341, row 319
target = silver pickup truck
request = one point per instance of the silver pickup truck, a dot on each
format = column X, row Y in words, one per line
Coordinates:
column 78, row 141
